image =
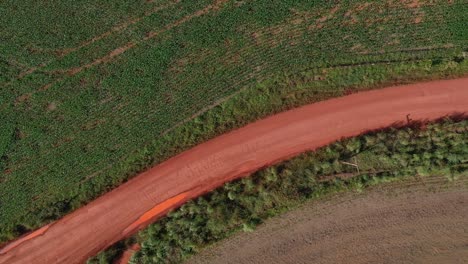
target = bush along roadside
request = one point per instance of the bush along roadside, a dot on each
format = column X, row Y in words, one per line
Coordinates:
column 396, row 153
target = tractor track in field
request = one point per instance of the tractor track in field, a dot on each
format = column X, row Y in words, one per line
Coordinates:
column 153, row 193
column 116, row 52
column 115, row 29
column 63, row 73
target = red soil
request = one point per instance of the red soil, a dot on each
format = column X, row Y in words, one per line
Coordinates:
column 26, row 237
column 122, row 211
column 159, row 209
column 128, row 254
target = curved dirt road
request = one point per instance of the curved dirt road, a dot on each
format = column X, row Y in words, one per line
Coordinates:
column 151, row 194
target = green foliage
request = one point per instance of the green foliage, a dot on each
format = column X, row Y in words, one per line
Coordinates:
column 90, row 119
column 245, row 203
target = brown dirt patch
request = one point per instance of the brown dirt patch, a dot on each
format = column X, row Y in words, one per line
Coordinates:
column 412, row 3
column 414, row 222
column 51, row 106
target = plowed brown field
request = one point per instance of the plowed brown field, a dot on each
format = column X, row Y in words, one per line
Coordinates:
column 422, row 221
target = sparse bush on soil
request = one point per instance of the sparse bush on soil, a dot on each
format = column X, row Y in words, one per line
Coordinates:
column 93, row 92
column 391, row 154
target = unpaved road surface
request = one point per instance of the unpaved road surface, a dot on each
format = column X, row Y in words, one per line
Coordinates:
column 422, row 223
column 131, row 206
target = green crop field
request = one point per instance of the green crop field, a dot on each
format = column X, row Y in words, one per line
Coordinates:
column 93, row 91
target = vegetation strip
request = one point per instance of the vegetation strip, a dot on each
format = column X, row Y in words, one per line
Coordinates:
column 416, row 151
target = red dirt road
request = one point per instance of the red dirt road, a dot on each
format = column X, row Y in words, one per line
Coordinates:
column 143, row 199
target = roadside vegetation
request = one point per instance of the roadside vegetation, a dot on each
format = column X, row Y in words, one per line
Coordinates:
column 416, row 150
column 112, row 89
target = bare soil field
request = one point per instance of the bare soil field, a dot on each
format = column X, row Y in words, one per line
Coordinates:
column 146, row 197
column 406, row 222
